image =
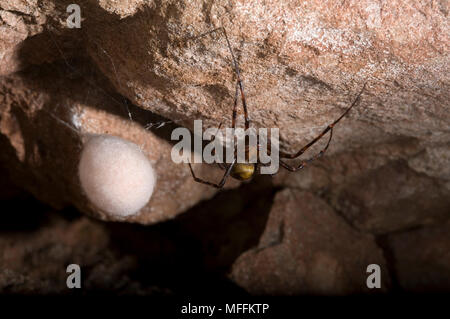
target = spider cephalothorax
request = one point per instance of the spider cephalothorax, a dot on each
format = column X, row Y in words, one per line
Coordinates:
column 246, row 170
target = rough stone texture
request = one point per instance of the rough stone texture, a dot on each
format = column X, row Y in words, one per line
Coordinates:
column 22, row 25
column 422, row 258
column 44, row 120
column 302, row 62
column 35, row 262
column 307, row 249
column 182, row 256
column 377, row 190
column 392, row 198
column 142, row 49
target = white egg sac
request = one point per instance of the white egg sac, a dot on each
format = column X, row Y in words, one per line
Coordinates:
column 115, row 175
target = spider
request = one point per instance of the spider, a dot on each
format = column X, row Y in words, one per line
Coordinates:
column 246, row 171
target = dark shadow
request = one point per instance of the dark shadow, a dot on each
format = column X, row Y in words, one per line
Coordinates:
column 193, row 253
column 22, row 214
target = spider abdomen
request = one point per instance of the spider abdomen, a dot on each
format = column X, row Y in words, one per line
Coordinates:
column 243, row 171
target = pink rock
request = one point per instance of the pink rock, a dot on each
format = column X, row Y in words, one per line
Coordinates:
column 307, row 248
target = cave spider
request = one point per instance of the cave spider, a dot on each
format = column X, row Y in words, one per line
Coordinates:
column 246, row 171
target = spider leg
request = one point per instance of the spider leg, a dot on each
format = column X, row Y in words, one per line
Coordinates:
column 238, row 75
column 203, row 34
column 247, row 121
column 218, row 185
column 221, row 165
column 233, row 117
column 309, row 160
column 241, row 89
column 325, row 131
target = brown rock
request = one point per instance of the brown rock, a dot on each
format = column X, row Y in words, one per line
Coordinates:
column 307, row 249
column 45, row 119
column 433, row 162
column 23, row 37
column 302, row 63
column 392, row 198
column 38, row 244
column 187, row 255
column 388, row 187
column 422, row 258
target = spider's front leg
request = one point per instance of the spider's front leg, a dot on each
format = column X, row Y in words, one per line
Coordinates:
column 306, row 162
column 219, row 185
column 329, row 128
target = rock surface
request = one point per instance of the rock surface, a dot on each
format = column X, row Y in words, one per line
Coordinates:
column 182, row 256
column 35, row 262
column 422, row 258
column 45, row 119
column 302, row 64
column 307, row 249
column 388, row 188
column 382, row 188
